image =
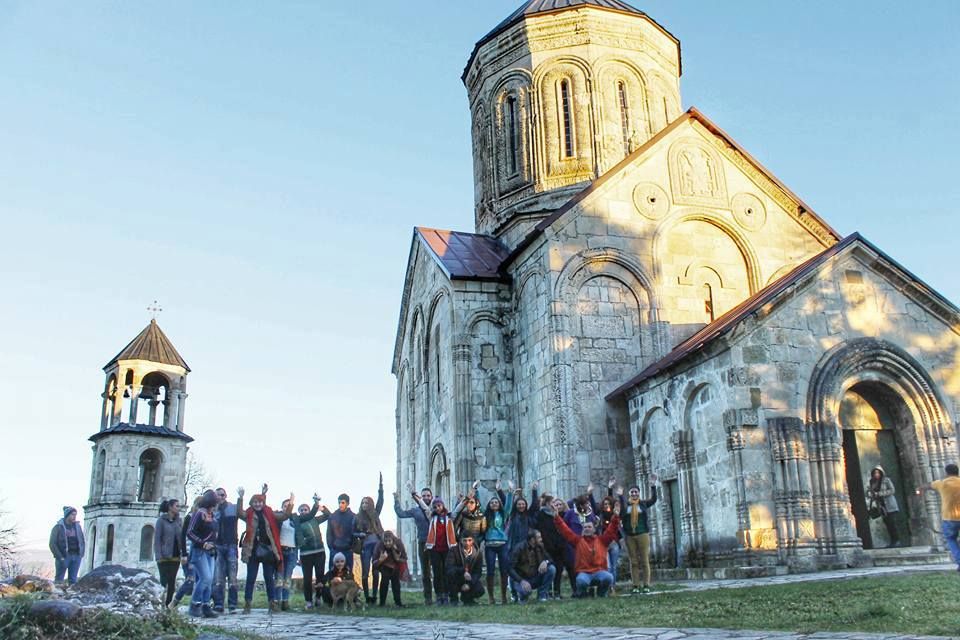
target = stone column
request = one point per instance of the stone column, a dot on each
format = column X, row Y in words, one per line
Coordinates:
column 462, row 426
column 793, row 497
column 135, row 392
column 181, row 409
column 834, row 527
column 172, row 411
column 735, row 444
column 691, row 518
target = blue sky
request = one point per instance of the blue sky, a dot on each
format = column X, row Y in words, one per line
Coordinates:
column 259, row 168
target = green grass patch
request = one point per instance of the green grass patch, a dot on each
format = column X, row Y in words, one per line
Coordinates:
column 913, row 604
column 16, row 624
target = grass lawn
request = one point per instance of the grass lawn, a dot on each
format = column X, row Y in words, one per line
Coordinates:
column 914, row 604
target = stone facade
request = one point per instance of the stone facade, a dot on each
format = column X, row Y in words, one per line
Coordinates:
column 139, row 454
column 528, row 370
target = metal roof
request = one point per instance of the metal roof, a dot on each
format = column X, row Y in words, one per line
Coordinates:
column 465, row 256
column 152, row 345
column 535, row 7
column 144, row 429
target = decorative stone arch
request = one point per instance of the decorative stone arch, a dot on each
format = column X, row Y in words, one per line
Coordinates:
column 746, row 249
column 663, row 99
column 511, row 108
column 781, row 272
column 881, row 365
column 439, row 472
column 621, row 95
column 110, row 397
column 99, row 476
column 406, row 428
column 146, row 543
column 484, row 316
column 566, row 166
column 417, row 342
column 521, row 284
column 482, row 162
column 150, row 459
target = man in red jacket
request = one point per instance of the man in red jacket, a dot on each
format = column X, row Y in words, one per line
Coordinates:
column 590, row 553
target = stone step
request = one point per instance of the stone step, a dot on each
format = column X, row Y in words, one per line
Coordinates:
column 906, row 556
column 720, row 573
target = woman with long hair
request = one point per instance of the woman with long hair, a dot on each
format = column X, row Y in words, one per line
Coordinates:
column 369, row 529
column 261, row 546
column 390, row 559
column 202, row 533
column 166, row 546
column 495, row 547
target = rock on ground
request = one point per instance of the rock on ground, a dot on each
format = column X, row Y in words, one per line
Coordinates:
column 118, row 589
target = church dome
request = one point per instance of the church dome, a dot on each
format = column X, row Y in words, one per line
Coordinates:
column 560, row 92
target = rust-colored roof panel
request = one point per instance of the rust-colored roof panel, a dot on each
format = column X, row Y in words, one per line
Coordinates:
column 465, row 256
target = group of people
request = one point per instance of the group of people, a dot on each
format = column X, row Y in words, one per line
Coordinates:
column 529, row 542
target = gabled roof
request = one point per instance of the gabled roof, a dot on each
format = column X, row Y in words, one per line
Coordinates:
column 144, row 429
column 728, row 321
column 540, row 7
column 465, row 256
column 691, row 114
column 152, row 345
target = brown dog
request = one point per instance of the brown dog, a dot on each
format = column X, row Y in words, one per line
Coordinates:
column 347, row 592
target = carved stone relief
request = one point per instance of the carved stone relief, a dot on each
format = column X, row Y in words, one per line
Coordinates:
column 696, row 174
column 748, row 211
column 650, row 200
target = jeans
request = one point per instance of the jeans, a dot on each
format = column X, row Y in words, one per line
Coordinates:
column 312, row 563
column 168, row 578
column 289, row 564
column 69, row 567
column 189, row 578
column 602, row 579
column 492, row 554
column 204, row 564
column 425, row 571
column 951, row 531
column 269, row 572
column 613, row 558
column 366, row 560
column 226, row 574
column 347, row 553
column 542, row 582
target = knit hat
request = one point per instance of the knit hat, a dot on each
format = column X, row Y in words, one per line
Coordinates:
column 343, row 497
column 67, row 511
column 339, row 556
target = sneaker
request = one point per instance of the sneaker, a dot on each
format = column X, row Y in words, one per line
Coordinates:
column 218, row 609
column 543, row 598
column 233, row 610
column 646, row 590
column 207, row 612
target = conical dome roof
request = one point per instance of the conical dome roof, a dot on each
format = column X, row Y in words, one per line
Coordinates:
column 152, row 345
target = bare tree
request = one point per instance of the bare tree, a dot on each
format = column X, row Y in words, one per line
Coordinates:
column 196, row 479
column 8, row 546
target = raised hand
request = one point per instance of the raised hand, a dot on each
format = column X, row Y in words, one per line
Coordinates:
column 264, row 488
column 535, row 485
column 381, row 478
column 476, row 484
column 653, row 478
column 240, row 491
column 590, row 488
column 619, row 491
column 316, row 497
column 499, row 485
column 511, row 485
column 611, row 482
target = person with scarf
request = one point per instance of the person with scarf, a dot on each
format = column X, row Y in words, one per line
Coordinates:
column 636, row 533
column 390, row 559
column 880, row 494
column 309, row 542
column 441, row 538
column 340, row 527
column 495, row 548
column 468, row 517
column 166, row 546
column 553, row 542
column 590, row 554
column 464, row 569
column 67, row 546
column 369, row 529
column 202, row 533
column 261, row 546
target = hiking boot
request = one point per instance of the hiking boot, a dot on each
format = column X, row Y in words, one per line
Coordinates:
column 196, row 610
column 274, row 606
column 285, row 605
column 246, row 607
column 207, row 612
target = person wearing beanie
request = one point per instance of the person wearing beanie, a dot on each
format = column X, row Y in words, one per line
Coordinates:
column 67, row 546
column 340, row 529
column 261, row 546
column 441, row 538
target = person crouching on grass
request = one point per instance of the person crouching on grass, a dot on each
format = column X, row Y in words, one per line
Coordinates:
column 590, row 554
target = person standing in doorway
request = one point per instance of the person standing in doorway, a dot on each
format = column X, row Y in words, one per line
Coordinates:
column 881, row 502
column 67, row 546
column 949, row 490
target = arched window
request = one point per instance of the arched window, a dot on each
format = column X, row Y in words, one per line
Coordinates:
column 99, row 476
column 155, row 388
column 148, row 488
column 708, row 302
column 624, row 115
column 513, row 135
column 93, row 547
column 146, row 544
column 109, row 555
column 126, row 410
column 566, row 118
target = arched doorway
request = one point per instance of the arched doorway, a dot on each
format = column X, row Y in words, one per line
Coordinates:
column 878, row 431
column 440, row 474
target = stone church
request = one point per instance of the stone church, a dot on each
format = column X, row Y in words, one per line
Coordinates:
column 140, row 451
column 640, row 296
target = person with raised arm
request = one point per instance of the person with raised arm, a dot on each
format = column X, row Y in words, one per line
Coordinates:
column 495, row 548
column 590, row 554
column 636, row 533
column 369, row 529
column 441, row 538
column 309, row 542
column 422, row 521
column 468, row 517
column 261, row 547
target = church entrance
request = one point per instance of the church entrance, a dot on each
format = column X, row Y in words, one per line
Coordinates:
column 875, row 423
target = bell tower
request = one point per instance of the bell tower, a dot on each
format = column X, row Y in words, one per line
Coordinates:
column 140, row 451
column 560, row 92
